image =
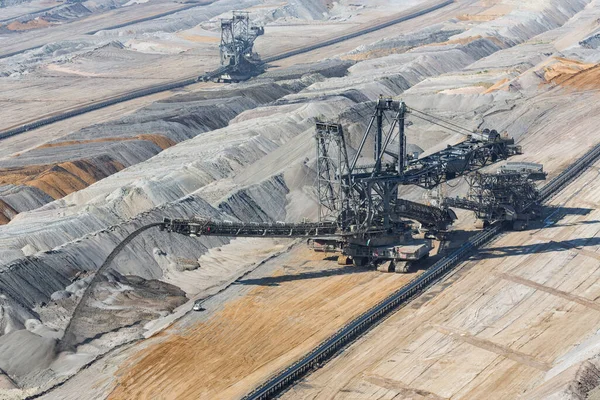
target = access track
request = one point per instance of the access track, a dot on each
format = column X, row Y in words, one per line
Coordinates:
column 134, row 94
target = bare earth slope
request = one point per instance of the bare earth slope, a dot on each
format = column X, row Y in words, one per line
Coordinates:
column 521, row 321
column 510, row 323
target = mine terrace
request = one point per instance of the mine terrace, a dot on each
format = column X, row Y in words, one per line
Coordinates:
column 304, row 199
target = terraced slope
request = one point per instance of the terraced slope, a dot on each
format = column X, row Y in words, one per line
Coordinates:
column 482, row 65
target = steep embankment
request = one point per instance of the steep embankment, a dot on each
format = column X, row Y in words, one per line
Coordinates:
column 260, row 166
column 77, row 160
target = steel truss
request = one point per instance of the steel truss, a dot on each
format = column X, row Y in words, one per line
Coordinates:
column 332, row 159
column 507, row 195
column 361, row 203
column 237, row 42
column 207, row 227
column 365, row 198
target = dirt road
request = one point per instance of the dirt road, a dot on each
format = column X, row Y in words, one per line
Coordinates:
column 279, row 319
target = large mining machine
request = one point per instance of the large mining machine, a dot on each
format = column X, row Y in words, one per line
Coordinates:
column 361, row 214
column 364, row 199
column 239, row 61
column 509, row 196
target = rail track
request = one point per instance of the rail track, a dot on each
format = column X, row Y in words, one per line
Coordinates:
column 359, row 326
column 60, row 116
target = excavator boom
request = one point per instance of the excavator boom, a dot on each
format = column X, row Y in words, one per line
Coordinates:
column 207, row 227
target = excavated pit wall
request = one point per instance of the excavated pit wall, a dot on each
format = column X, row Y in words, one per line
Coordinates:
column 205, row 16
column 261, row 202
column 32, row 280
column 179, row 171
column 87, row 211
column 99, row 151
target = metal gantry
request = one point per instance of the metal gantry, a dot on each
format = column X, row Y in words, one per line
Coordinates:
column 510, row 194
column 361, row 214
column 238, row 59
column 332, row 159
column 365, row 198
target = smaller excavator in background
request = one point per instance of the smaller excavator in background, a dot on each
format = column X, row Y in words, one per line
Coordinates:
column 239, row 61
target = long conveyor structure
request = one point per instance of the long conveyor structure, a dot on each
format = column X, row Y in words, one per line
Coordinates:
column 207, row 227
column 429, row 216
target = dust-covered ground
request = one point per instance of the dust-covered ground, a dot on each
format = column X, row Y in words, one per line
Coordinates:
column 71, row 191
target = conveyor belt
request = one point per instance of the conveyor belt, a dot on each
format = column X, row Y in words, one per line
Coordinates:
column 207, row 227
column 429, row 216
column 356, row 328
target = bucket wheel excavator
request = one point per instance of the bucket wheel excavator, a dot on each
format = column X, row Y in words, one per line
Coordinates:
column 239, row 61
column 361, row 213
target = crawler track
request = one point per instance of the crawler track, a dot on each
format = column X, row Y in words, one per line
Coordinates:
column 356, row 328
column 60, row 116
